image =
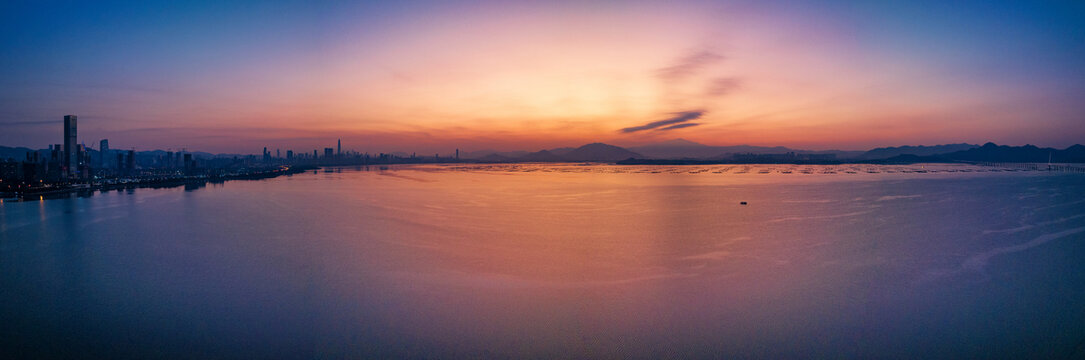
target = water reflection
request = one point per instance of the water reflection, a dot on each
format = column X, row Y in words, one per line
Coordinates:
column 553, row 261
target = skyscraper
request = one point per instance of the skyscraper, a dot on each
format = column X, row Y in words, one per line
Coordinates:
column 131, row 161
column 71, row 157
column 339, row 148
column 103, row 153
column 190, row 165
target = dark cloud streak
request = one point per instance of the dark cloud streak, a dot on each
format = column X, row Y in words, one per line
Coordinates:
column 680, row 118
column 678, row 126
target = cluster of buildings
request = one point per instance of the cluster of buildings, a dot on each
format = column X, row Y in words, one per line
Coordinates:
column 336, row 156
column 71, row 161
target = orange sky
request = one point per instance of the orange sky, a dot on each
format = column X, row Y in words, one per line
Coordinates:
column 475, row 76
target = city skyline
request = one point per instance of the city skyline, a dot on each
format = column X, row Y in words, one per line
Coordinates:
column 672, row 148
column 436, row 76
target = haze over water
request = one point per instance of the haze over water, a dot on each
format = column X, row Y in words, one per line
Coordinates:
column 556, row 261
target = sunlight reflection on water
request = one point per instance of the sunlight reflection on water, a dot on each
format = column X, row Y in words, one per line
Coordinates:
column 566, row 260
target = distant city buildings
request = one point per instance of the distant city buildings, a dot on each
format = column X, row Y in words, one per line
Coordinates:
column 71, row 156
column 103, row 152
column 131, row 166
column 190, row 165
column 69, row 162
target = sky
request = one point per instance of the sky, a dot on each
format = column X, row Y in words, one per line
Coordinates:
column 433, row 76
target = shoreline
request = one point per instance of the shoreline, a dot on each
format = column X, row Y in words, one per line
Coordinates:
column 195, row 182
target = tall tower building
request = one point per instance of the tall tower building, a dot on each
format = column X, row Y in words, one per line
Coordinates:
column 103, row 153
column 131, row 161
column 339, row 148
column 71, row 157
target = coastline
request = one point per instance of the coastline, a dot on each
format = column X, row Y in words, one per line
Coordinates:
column 194, row 182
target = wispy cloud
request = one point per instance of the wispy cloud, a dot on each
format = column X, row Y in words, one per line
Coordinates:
column 722, row 86
column 678, row 126
column 688, row 65
column 680, row 117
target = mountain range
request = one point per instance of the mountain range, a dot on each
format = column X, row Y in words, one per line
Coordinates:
column 680, row 150
column 888, row 152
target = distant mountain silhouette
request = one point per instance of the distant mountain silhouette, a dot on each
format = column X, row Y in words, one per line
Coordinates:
column 889, row 152
column 493, row 158
column 676, row 149
column 14, row 153
column 589, row 152
column 562, row 150
column 599, row 152
column 1028, row 153
column 541, row 156
column 685, row 149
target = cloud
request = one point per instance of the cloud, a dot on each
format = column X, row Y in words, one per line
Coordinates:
column 688, row 65
column 722, row 86
column 679, row 118
column 678, row 126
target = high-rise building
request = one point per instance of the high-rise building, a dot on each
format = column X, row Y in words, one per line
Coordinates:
column 190, row 165
column 71, row 156
column 328, row 152
column 339, row 148
column 103, row 153
column 131, row 161
column 290, row 154
column 80, row 151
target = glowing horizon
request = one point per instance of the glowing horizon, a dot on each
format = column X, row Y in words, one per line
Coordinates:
column 435, row 76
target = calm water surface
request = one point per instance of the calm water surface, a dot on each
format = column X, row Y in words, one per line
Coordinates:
column 556, row 261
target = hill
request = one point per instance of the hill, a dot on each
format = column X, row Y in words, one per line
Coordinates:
column 599, row 152
column 889, row 152
column 1028, row 153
